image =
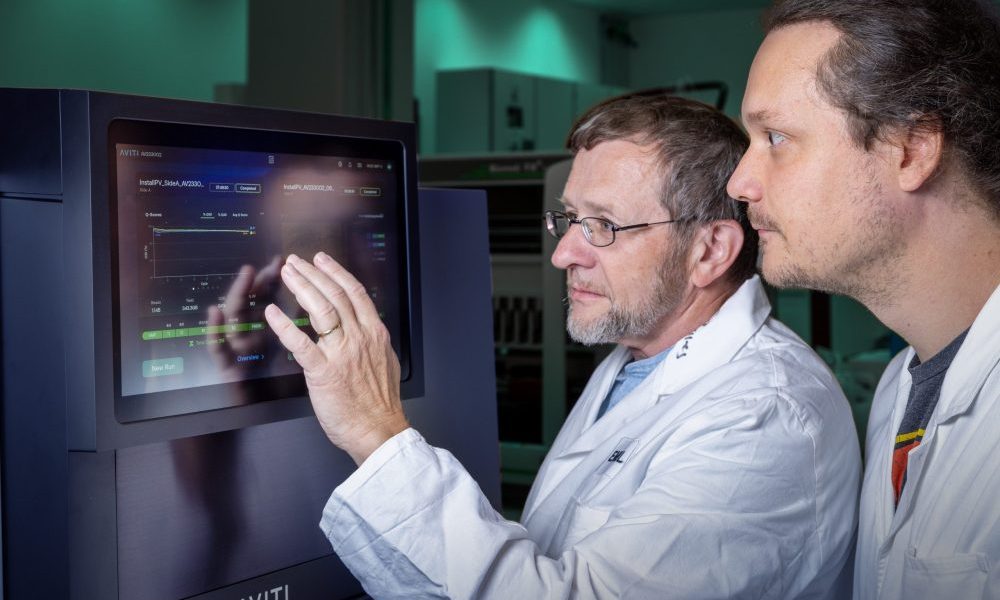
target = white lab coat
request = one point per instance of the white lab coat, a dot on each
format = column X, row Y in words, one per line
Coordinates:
column 732, row 471
column 943, row 541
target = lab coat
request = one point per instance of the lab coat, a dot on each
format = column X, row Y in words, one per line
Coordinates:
column 943, row 541
column 732, row 471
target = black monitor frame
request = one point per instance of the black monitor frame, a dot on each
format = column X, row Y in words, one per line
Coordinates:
column 183, row 137
column 92, row 378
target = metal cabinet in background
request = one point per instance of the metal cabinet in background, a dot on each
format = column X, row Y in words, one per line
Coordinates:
column 554, row 120
column 492, row 110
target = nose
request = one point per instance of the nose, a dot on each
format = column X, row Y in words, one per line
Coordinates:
column 573, row 249
column 744, row 184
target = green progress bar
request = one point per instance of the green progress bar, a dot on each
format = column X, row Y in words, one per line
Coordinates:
column 181, row 332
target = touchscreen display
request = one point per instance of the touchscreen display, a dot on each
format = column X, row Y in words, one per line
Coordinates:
column 204, row 220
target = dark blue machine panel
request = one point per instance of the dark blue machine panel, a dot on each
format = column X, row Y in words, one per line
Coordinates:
column 169, row 208
column 223, row 508
column 185, row 493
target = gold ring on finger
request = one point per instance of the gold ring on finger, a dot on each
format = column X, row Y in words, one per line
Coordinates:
column 329, row 331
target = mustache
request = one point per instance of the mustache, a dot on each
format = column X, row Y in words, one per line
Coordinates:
column 573, row 282
column 760, row 221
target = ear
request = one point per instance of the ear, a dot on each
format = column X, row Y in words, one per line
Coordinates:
column 716, row 246
column 919, row 156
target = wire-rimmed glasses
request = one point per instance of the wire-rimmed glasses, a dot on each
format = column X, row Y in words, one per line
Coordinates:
column 598, row 231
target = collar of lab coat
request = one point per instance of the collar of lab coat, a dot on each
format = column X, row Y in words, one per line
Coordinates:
column 697, row 354
column 976, row 359
column 716, row 342
column 692, row 357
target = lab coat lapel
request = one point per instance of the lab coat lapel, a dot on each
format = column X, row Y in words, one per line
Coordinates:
column 567, row 451
column 693, row 357
column 705, row 349
column 888, row 517
column 976, row 359
column 590, row 440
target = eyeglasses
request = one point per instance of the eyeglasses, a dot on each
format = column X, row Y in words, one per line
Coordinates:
column 599, row 232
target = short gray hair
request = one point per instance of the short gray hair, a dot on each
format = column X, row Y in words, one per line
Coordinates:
column 698, row 149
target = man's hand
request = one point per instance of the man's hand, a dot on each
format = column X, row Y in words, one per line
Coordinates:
column 351, row 371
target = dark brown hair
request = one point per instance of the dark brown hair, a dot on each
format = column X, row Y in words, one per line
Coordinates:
column 698, row 149
column 910, row 64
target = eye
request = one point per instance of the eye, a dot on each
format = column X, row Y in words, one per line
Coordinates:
column 774, row 138
column 605, row 224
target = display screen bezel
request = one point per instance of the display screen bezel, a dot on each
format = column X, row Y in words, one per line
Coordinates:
column 191, row 400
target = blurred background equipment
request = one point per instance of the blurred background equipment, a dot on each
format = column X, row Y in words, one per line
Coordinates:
column 492, row 88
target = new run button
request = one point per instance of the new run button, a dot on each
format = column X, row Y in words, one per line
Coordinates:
column 162, row 366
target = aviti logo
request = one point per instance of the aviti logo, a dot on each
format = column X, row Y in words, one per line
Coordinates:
column 278, row 593
column 128, row 152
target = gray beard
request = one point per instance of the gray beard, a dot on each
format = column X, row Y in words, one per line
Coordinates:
column 621, row 322
column 616, row 324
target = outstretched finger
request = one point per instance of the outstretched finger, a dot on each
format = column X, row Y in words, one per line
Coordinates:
column 305, row 351
column 333, row 293
column 356, row 293
column 323, row 314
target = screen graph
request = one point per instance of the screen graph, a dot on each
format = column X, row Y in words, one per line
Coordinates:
column 202, row 236
column 179, row 252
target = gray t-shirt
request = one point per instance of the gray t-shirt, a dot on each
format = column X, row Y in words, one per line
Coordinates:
column 924, row 393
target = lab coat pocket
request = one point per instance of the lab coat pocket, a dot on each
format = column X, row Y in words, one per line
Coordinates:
column 957, row 576
column 583, row 521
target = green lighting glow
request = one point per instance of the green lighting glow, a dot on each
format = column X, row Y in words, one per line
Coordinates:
column 516, row 35
column 545, row 48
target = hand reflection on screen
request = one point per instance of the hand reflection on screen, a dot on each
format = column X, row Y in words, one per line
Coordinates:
column 250, row 291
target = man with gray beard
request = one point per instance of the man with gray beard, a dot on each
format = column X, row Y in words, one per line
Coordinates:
column 711, row 455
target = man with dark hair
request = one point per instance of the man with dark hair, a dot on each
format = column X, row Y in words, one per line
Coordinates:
column 874, row 171
column 712, row 454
